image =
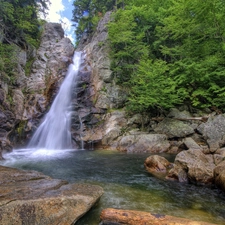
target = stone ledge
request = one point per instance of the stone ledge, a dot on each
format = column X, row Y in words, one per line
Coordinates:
column 30, row 197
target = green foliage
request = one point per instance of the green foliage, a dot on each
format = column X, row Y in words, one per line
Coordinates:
column 168, row 52
column 19, row 23
column 197, row 29
column 126, row 39
column 87, row 13
column 7, row 62
column 152, row 87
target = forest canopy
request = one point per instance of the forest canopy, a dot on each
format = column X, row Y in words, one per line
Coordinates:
column 164, row 52
column 19, row 21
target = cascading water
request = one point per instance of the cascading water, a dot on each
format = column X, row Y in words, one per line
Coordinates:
column 54, row 131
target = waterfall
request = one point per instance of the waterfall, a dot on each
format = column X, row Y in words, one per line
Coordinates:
column 54, row 131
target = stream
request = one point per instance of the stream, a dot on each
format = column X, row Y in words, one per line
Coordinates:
column 125, row 182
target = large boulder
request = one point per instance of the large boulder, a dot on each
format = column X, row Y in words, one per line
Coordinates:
column 214, row 131
column 219, row 175
column 153, row 143
column 193, row 166
column 174, row 128
column 29, row 197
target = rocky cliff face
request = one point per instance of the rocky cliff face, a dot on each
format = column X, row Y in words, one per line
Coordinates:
column 25, row 101
column 102, row 91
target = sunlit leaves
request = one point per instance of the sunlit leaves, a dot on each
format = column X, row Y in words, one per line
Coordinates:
column 151, row 87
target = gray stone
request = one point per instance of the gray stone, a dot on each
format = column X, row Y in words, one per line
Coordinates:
column 173, row 128
column 18, row 100
column 190, row 143
column 175, row 113
column 214, row 131
column 154, row 143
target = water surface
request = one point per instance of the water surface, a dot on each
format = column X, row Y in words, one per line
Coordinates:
column 125, row 182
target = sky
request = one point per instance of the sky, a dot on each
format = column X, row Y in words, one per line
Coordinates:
column 60, row 11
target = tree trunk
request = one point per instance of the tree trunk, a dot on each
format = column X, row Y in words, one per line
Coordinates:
column 112, row 216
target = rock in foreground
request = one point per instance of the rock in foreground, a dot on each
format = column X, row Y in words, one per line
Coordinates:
column 30, row 197
column 112, row 216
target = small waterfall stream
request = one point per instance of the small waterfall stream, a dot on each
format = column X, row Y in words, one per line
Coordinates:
column 54, row 131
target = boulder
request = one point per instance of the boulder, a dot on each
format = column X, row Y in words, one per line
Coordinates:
column 153, row 143
column 219, row 175
column 115, row 124
column 157, row 165
column 190, row 143
column 112, row 216
column 193, row 166
column 176, row 113
column 30, row 197
column 173, row 128
column 214, row 131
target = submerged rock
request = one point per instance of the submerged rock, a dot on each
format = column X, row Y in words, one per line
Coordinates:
column 29, row 197
column 157, row 165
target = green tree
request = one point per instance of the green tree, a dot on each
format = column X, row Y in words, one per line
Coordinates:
column 196, row 31
column 152, row 88
column 86, row 14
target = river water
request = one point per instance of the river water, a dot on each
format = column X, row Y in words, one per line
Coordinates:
column 125, row 182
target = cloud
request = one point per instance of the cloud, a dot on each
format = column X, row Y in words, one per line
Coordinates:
column 68, row 28
column 55, row 9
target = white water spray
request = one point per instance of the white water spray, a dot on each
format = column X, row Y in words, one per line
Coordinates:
column 54, row 131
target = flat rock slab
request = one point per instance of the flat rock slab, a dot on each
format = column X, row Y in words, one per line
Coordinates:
column 32, row 198
column 112, row 216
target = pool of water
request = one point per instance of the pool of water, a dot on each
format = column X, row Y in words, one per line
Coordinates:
column 125, row 182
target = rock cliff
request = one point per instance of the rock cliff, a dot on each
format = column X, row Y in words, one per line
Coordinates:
column 25, row 101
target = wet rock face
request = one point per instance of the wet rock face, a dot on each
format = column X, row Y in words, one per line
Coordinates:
column 29, row 197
